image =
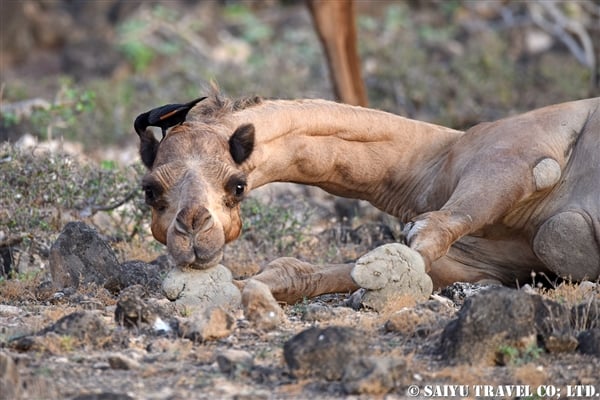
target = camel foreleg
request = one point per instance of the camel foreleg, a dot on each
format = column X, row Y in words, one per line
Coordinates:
column 291, row 280
column 474, row 205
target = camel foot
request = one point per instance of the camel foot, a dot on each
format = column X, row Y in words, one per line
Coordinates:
column 260, row 307
column 390, row 274
column 202, row 288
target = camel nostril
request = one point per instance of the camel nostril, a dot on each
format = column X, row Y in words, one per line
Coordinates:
column 208, row 223
column 180, row 226
column 203, row 221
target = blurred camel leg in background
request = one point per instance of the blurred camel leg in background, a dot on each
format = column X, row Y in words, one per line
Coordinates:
column 335, row 25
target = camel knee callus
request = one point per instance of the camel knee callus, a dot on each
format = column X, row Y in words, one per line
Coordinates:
column 487, row 203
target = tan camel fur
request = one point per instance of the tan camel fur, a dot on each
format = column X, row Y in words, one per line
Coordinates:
column 497, row 202
column 335, row 25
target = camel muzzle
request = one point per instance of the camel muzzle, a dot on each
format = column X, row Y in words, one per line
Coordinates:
column 194, row 239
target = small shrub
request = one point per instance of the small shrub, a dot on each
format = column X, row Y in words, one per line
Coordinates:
column 269, row 225
column 511, row 355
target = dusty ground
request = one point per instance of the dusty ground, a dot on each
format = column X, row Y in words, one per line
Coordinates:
column 121, row 363
column 456, row 64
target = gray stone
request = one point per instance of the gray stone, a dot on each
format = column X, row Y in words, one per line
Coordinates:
column 136, row 272
column 565, row 343
column 589, row 342
column 323, row 312
column 323, row 352
column 501, row 318
column 83, row 325
column 390, row 272
column 80, row 256
column 373, row 375
column 408, row 321
column 207, row 324
column 134, row 308
column 233, row 361
column 458, row 292
column 260, row 307
column 103, row 396
column 202, row 288
column 120, row 361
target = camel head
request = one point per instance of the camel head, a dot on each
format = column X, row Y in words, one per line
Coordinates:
column 195, row 183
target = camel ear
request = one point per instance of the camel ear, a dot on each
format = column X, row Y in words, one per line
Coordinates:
column 148, row 147
column 241, row 143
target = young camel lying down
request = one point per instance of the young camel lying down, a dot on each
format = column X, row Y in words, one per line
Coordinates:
column 496, row 202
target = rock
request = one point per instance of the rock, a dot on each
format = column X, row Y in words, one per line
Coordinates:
column 373, row 375
column 390, row 272
column 80, row 256
column 202, row 288
column 164, row 263
column 458, row 292
column 408, row 321
column 10, row 382
column 207, row 324
column 589, row 342
column 45, row 291
column 231, row 361
column 103, row 396
column 354, row 301
column 323, row 352
column 25, row 343
column 133, row 309
column 83, row 325
column 565, row 343
column 260, row 307
column 136, row 272
column 500, row 318
column 317, row 312
column 321, row 312
column 422, row 319
column 120, row 361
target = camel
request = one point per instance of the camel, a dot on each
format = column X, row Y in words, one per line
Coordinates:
column 495, row 202
column 336, row 28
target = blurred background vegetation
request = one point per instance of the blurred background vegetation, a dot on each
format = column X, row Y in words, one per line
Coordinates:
column 80, row 71
column 93, row 66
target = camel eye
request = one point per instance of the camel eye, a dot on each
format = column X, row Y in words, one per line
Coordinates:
column 152, row 193
column 235, row 189
column 239, row 189
column 149, row 194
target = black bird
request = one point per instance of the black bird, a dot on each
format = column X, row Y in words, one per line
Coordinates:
column 164, row 117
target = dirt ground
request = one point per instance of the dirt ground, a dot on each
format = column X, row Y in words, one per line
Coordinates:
column 128, row 363
column 457, row 63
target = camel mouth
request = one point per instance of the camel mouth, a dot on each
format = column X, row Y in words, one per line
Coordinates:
column 204, row 261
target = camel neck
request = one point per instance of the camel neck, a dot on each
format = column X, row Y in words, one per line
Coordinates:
column 348, row 151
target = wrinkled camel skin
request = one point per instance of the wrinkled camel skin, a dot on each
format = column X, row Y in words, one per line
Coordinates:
column 496, row 202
